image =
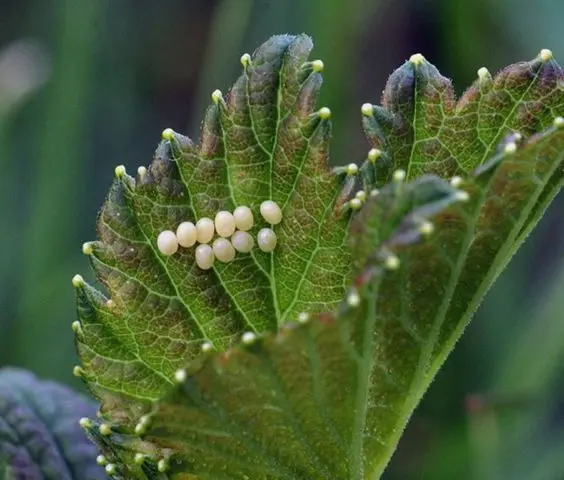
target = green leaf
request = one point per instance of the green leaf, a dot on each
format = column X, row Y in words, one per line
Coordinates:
column 381, row 282
column 422, row 128
column 263, row 141
column 39, row 432
column 288, row 405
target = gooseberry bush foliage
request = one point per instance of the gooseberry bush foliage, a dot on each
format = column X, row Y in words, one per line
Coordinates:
column 307, row 362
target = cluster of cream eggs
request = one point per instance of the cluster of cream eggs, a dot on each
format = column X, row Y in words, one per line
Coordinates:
column 232, row 235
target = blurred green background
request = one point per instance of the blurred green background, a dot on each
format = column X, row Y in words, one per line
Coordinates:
column 89, row 84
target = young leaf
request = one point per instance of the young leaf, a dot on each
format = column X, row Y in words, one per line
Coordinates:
column 288, row 405
column 328, row 399
column 426, row 306
column 39, row 432
column 262, row 142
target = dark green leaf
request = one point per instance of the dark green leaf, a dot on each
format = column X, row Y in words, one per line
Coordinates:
column 39, row 432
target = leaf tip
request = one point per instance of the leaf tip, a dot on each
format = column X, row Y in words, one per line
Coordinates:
column 87, row 248
column 317, row 66
column 85, row 422
column 353, row 298
column 392, row 262
column 426, row 228
column 140, row 429
column 180, row 376
column 101, row 460
column 545, row 55
column 367, row 109
column 462, row 196
column 399, row 175
column 324, row 113
column 110, row 469
column 456, row 181
column 142, row 425
column 120, row 171
column 139, row 459
column 510, row 148
column 245, row 60
column 77, row 371
column 484, row 74
column 558, row 122
column 248, row 338
column 351, row 169
column 216, row 96
column 142, row 171
column 77, row 281
column 162, row 465
column 207, row 347
column 105, row 429
column 303, row 317
column 374, row 154
column 361, row 195
column 168, row 134
column 417, row 59
column 76, row 327
column 355, row 203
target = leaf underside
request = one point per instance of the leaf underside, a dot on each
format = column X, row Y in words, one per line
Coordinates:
column 329, row 396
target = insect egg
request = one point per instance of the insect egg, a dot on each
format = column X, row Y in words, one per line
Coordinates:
column 223, row 250
column 204, row 256
column 187, row 234
column 167, row 242
column 266, row 240
column 205, row 230
column 242, row 241
column 271, row 212
column 243, row 218
column 224, row 224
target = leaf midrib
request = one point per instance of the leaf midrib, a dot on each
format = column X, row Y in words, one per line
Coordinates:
column 364, row 384
column 236, row 431
column 191, row 207
column 414, row 125
column 157, row 256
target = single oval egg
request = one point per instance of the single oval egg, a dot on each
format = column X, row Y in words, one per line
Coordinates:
column 204, row 256
column 266, row 239
column 205, row 230
column 167, row 243
column 271, row 212
column 187, row 234
column 242, row 241
column 224, row 224
column 223, row 250
column 243, row 218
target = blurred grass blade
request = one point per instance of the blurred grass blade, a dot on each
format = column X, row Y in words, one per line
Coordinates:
column 55, row 192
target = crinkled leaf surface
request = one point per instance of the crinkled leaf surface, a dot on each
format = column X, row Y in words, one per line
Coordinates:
column 262, row 142
column 328, row 398
column 39, row 432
